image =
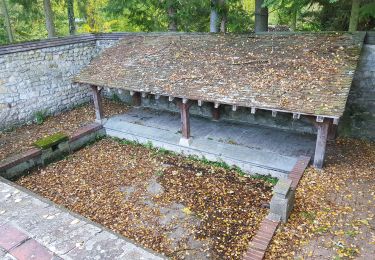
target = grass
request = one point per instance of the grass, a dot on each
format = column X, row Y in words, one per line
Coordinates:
column 40, row 117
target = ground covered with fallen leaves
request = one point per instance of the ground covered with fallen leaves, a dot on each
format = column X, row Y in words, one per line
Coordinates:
column 22, row 138
column 334, row 211
column 175, row 205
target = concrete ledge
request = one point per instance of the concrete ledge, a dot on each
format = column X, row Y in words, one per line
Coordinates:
column 19, row 158
column 15, row 166
column 88, row 129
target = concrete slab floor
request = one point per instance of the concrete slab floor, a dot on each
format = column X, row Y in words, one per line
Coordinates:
column 254, row 148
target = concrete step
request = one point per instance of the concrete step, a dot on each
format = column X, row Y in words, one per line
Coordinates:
column 251, row 160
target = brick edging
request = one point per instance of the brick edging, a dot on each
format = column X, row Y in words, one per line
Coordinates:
column 262, row 239
column 297, row 172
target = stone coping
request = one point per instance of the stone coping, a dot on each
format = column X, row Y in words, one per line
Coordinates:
column 58, row 41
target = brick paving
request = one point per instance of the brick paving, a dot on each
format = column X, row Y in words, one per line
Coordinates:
column 34, row 228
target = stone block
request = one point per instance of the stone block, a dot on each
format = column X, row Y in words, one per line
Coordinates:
column 282, row 201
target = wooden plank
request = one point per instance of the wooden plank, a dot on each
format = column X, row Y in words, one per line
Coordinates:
column 185, row 120
column 321, row 142
column 96, row 95
column 137, row 99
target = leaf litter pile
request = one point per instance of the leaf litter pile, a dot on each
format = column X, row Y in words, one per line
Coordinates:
column 175, row 205
column 21, row 139
column 334, row 211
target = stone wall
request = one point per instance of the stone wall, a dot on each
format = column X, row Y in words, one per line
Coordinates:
column 39, row 80
column 359, row 118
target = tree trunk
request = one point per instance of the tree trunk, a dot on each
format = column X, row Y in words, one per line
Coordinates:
column 49, row 18
column 261, row 17
column 8, row 25
column 294, row 20
column 224, row 15
column 213, row 17
column 71, row 18
column 354, row 16
column 172, row 26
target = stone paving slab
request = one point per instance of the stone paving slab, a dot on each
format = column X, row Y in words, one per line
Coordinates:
column 32, row 227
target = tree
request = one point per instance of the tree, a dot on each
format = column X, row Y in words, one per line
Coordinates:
column 49, row 18
column 261, row 16
column 354, row 15
column 223, row 11
column 8, row 25
column 214, row 16
column 71, row 18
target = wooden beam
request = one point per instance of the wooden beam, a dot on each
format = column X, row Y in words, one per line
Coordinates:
column 185, row 120
column 137, row 99
column 200, row 102
column 170, row 98
column 234, row 108
column 216, row 105
column 274, row 113
column 319, row 119
column 96, row 95
column 157, row 97
column 321, row 141
column 296, row 116
column 185, row 100
column 253, row 110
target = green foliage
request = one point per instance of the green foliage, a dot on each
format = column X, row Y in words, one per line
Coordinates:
column 116, row 98
column 52, row 140
column 267, row 178
column 40, row 117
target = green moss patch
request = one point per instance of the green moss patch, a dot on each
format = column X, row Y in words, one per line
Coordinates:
column 51, row 140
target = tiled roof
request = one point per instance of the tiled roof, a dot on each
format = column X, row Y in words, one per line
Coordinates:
column 307, row 73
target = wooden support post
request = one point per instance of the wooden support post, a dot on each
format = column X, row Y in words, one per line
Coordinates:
column 96, row 95
column 321, row 141
column 185, row 123
column 216, row 112
column 332, row 130
column 136, row 98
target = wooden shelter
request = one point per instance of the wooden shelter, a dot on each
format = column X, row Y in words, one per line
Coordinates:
column 304, row 74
